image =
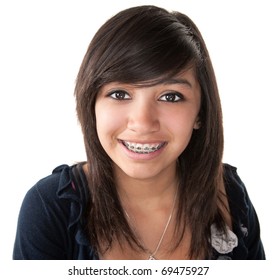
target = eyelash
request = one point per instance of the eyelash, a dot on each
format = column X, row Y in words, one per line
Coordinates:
column 120, row 95
column 116, row 95
column 170, row 95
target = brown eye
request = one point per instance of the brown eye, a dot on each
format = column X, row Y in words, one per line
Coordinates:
column 120, row 95
column 171, row 97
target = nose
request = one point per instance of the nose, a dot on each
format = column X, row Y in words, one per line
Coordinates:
column 143, row 118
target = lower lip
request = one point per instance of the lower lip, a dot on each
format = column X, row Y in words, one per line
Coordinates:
column 137, row 156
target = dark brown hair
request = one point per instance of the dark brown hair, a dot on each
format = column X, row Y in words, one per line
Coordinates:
column 143, row 45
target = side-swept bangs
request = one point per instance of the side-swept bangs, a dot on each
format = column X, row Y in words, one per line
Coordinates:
column 142, row 48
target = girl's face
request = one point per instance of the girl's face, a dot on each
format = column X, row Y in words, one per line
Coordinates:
column 145, row 129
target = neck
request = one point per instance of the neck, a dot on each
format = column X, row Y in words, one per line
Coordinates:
column 147, row 193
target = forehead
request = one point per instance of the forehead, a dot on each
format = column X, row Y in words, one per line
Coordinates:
column 186, row 78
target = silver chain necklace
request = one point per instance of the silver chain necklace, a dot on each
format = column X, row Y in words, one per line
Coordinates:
column 152, row 254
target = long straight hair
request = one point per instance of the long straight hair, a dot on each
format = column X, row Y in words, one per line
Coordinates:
column 143, row 45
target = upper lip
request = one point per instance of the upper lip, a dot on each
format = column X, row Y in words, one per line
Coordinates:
column 144, row 141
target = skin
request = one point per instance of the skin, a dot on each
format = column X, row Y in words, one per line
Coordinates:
column 143, row 115
column 166, row 114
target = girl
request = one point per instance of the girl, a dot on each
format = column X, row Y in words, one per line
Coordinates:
column 154, row 185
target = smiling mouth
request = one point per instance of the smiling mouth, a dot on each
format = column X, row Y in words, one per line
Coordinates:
column 143, row 148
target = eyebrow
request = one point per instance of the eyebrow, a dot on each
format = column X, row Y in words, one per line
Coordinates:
column 175, row 81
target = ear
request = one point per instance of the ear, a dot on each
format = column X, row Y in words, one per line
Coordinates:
column 197, row 124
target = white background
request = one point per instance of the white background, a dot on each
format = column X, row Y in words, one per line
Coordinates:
column 42, row 44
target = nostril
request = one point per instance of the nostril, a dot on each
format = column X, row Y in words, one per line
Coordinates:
column 143, row 122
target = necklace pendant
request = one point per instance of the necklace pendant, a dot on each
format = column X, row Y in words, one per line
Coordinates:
column 151, row 258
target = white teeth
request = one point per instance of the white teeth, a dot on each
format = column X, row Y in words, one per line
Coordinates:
column 142, row 148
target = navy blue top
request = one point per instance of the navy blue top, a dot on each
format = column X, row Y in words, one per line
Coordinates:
column 51, row 220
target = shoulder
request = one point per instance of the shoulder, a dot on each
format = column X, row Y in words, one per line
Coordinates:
column 59, row 186
column 244, row 218
column 52, row 185
column 235, row 188
column 49, row 217
column 238, row 198
column 50, row 191
column 239, row 201
column 231, row 177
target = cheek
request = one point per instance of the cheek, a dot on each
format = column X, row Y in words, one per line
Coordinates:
column 108, row 122
column 181, row 120
column 181, row 124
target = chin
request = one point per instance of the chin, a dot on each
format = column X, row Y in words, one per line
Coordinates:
column 140, row 173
